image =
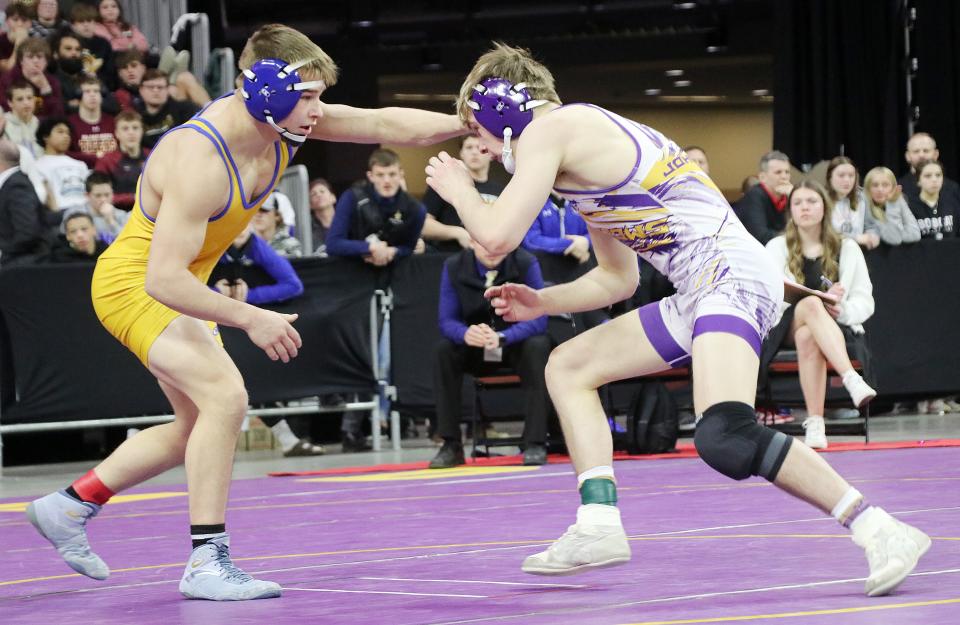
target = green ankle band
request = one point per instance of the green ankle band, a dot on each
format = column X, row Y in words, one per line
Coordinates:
column 598, row 490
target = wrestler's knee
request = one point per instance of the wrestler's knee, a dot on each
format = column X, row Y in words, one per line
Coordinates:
column 729, row 439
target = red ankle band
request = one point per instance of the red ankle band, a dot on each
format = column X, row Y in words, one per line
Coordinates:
column 91, row 489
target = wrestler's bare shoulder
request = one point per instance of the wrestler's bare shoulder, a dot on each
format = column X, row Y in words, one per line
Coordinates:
column 185, row 161
column 185, row 153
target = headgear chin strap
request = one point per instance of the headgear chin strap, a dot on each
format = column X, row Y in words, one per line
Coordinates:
column 271, row 89
column 503, row 109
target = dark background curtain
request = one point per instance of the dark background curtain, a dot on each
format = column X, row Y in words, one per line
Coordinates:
column 839, row 79
column 936, row 46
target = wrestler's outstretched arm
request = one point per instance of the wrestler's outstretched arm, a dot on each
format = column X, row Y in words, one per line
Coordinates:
column 403, row 126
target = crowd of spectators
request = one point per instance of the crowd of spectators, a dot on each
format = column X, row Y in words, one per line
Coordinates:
column 82, row 92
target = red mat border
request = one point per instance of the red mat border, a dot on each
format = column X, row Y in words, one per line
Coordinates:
column 684, row 450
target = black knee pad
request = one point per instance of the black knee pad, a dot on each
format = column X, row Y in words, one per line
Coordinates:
column 730, row 440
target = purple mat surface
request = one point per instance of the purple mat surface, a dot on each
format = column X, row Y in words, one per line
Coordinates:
column 448, row 550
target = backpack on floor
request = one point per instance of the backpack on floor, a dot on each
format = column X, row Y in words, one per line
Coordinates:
column 652, row 422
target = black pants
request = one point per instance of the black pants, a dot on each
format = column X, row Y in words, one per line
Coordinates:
column 528, row 359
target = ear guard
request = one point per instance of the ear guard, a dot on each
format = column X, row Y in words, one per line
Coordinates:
column 504, row 109
column 271, row 89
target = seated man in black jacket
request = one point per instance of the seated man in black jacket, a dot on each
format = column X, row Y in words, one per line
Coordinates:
column 478, row 341
column 762, row 209
column 377, row 220
column 24, row 235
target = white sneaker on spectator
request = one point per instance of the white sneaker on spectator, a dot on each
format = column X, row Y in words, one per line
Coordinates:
column 582, row 547
column 893, row 549
column 845, row 413
column 816, row 433
column 859, row 390
column 168, row 57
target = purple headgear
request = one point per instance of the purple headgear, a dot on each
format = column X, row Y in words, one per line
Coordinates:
column 503, row 109
column 271, row 89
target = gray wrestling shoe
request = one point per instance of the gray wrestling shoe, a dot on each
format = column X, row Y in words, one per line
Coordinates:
column 62, row 520
column 893, row 549
column 582, row 547
column 210, row 574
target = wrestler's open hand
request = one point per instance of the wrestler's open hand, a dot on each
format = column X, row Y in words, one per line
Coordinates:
column 515, row 302
column 272, row 332
column 447, row 176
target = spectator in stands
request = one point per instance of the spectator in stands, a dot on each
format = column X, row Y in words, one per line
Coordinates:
column 80, row 241
column 889, row 212
column 849, row 214
column 477, row 341
column 121, row 34
column 92, row 129
column 443, row 229
column 559, row 230
column 322, row 208
column 809, row 251
column 21, row 122
column 97, row 53
column 762, row 209
column 107, row 218
column 376, row 219
column 921, row 147
column 125, row 163
column 33, row 55
column 16, row 30
column 268, row 225
column 248, row 250
column 65, row 176
column 48, row 21
column 159, row 111
column 699, row 156
column 28, row 162
column 284, row 206
column 130, row 71
column 24, row 234
column 71, row 72
column 937, row 212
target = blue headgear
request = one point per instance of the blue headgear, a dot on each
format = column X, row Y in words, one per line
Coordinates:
column 271, row 89
column 504, row 109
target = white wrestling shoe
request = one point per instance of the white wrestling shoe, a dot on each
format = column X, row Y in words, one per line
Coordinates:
column 581, row 548
column 62, row 520
column 210, row 574
column 893, row 549
column 816, row 433
column 860, row 392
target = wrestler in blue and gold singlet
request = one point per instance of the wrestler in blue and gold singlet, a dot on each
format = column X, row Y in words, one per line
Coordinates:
column 119, row 282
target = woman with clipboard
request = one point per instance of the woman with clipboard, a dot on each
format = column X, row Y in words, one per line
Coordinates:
column 830, row 296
